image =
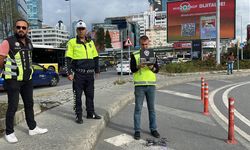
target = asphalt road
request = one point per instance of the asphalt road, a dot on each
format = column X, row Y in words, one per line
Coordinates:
column 180, row 119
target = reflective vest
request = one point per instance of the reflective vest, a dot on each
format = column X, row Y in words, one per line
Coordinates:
column 78, row 51
column 82, row 55
column 18, row 63
column 143, row 76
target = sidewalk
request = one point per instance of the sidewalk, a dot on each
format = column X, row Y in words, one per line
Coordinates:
column 65, row 134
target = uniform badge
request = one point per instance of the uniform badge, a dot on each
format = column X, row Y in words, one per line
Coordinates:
column 90, row 45
column 17, row 44
column 146, row 52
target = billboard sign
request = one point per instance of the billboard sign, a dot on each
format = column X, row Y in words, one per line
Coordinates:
column 196, row 19
column 115, row 39
column 182, row 45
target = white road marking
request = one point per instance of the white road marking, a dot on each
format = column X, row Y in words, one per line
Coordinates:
column 129, row 143
column 183, row 114
column 120, row 140
column 226, row 81
column 237, row 114
column 221, row 116
column 180, row 94
column 194, row 84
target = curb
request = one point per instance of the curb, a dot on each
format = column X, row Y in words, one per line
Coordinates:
column 20, row 116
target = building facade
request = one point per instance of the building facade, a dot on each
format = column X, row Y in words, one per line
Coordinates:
column 11, row 10
column 35, row 13
column 49, row 36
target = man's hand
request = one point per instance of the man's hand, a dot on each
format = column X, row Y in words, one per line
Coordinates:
column 70, row 77
column 2, row 61
column 151, row 67
column 141, row 66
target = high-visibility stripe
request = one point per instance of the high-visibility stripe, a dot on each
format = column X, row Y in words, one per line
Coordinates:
column 10, row 66
column 9, row 74
column 20, row 66
column 9, row 59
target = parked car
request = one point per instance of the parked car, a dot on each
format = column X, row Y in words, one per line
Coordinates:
column 1, row 83
column 125, row 67
column 103, row 66
column 41, row 76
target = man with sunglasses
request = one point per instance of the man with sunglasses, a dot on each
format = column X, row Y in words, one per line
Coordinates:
column 82, row 65
column 16, row 63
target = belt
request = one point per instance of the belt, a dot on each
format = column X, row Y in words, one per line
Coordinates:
column 85, row 70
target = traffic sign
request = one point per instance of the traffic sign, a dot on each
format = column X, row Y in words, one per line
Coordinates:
column 128, row 43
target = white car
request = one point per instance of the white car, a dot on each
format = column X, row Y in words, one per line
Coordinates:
column 125, row 67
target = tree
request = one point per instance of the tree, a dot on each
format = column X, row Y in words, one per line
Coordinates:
column 100, row 39
column 8, row 14
column 108, row 40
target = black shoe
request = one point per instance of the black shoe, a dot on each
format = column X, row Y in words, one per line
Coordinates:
column 93, row 116
column 155, row 134
column 137, row 135
column 79, row 119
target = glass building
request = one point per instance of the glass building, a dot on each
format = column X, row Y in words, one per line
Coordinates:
column 35, row 14
column 11, row 10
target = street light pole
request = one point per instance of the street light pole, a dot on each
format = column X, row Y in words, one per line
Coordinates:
column 70, row 22
column 218, row 32
column 241, row 37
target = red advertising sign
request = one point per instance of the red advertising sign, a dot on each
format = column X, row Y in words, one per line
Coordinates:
column 196, row 19
column 115, row 39
column 182, row 45
column 114, row 35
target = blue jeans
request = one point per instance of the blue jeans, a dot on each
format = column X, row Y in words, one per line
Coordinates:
column 230, row 67
column 140, row 92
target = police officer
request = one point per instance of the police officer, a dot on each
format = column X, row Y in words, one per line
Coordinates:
column 16, row 61
column 144, row 81
column 81, row 68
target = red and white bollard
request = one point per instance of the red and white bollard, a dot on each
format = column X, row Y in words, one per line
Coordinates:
column 202, row 89
column 206, row 112
column 231, row 139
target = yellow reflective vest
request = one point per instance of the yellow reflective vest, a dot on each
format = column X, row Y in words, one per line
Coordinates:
column 144, row 76
column 77, row 51
column 14, row 67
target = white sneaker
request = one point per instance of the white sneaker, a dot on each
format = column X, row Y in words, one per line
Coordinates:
column 38, row 130
column 11, row 138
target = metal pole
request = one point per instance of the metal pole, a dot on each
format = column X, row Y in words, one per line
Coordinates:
column 218, row 32
column 129, row 31
column 70, row 22
column 238, row 57
column 122, row 54
column 241, row 37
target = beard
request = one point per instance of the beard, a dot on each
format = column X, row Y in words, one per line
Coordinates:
column 21, row 34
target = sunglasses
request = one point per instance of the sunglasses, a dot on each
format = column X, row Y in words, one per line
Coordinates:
column 21, row 27
column 81, row 28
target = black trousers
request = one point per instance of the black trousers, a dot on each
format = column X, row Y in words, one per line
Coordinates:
column 83, row 83
column 25, row 88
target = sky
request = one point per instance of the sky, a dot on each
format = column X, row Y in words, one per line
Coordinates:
column 95, row 11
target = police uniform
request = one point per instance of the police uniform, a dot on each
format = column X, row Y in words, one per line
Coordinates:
column 82, row 62
column 17, row 73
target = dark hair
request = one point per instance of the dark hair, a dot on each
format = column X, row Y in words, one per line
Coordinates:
column 22, row 20
column 143, row 38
